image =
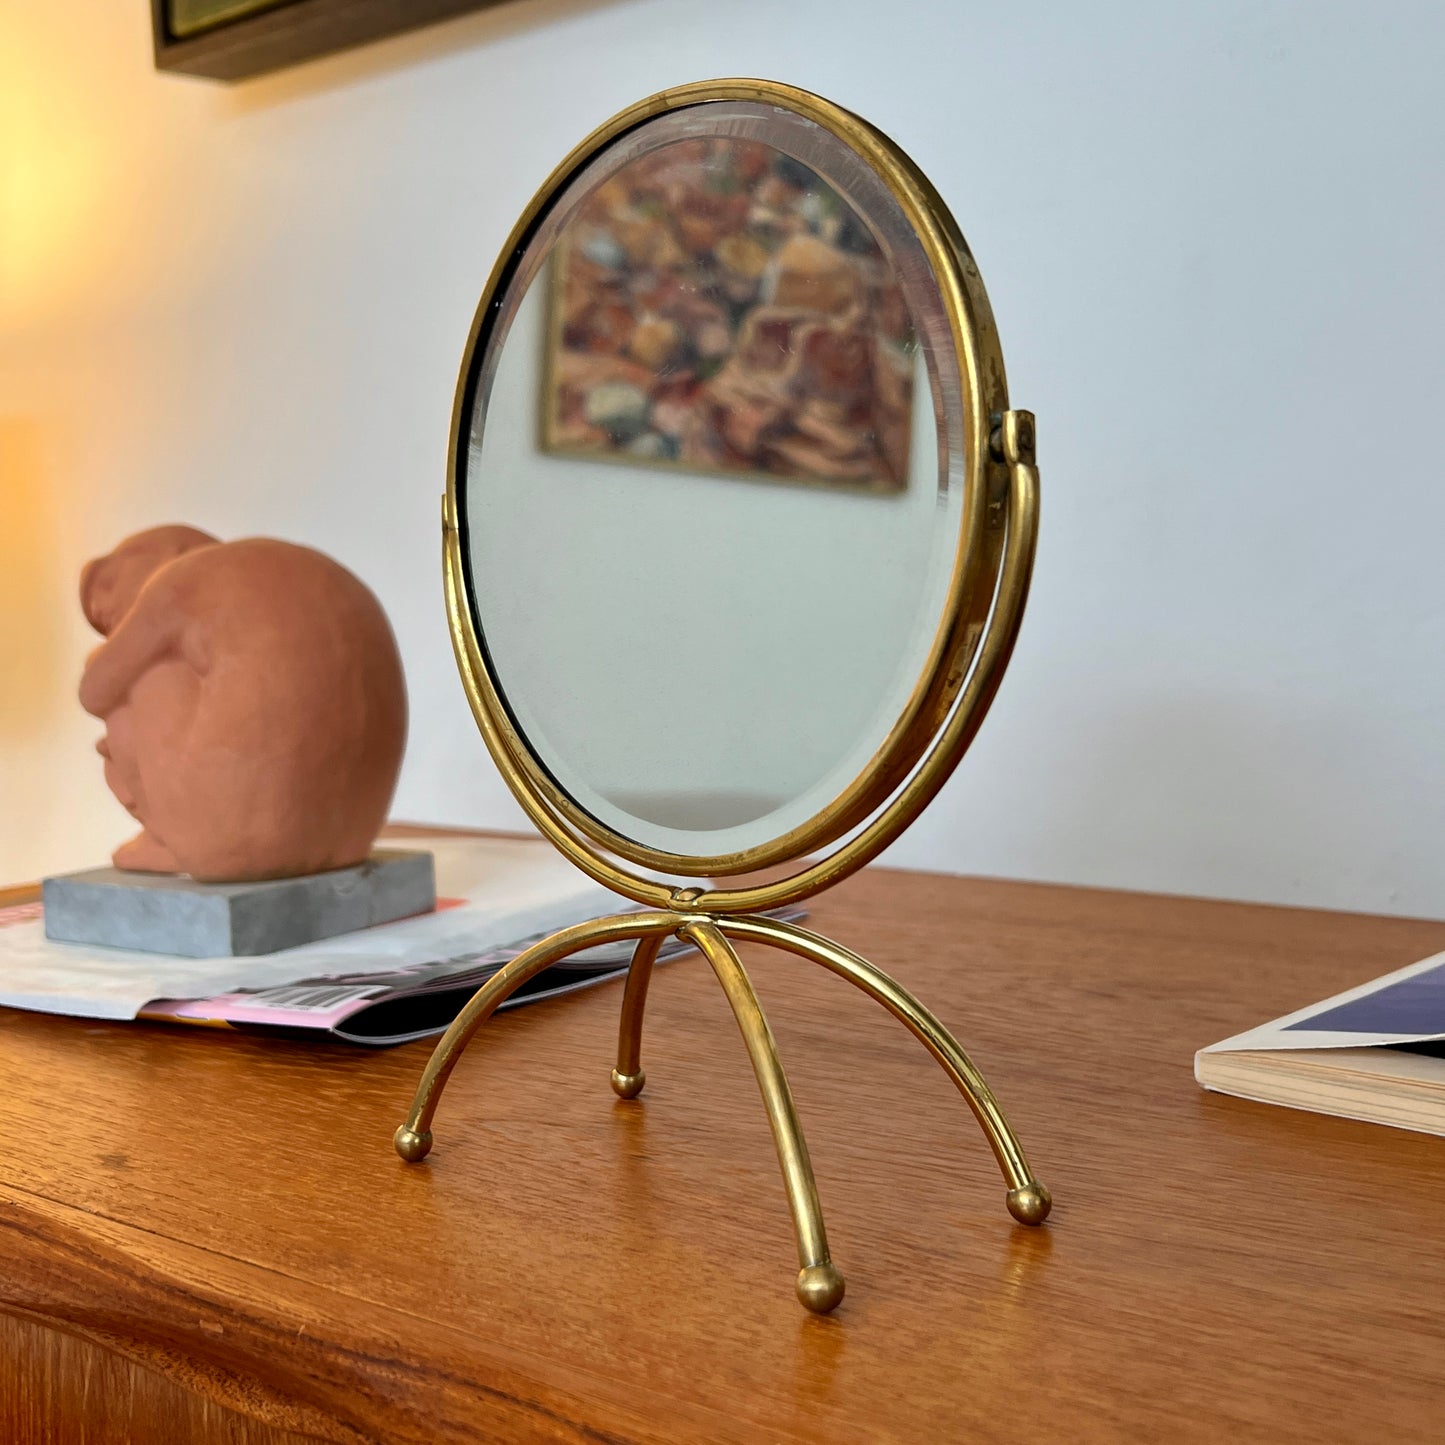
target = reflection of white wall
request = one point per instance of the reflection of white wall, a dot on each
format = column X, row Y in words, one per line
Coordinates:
column 1211, row 234
column 673, row 633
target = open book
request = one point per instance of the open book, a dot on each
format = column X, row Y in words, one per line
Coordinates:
column 1375, row 1053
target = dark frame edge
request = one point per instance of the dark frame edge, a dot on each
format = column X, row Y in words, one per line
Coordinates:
column 292, row 33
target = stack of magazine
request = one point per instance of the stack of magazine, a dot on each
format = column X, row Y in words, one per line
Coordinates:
column 385, row 985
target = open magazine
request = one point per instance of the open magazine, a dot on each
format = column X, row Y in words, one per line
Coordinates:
column 383, row 985
column 399, row 1005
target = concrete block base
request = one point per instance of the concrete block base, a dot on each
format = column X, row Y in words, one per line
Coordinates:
column 160, row 913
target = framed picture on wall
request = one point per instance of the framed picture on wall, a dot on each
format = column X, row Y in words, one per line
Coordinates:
column 234, row 39
column 719, row 307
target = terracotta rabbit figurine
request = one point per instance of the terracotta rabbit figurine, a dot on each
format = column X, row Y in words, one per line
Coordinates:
column 254, row 704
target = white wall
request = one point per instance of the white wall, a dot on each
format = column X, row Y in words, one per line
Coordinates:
column 1212, row 236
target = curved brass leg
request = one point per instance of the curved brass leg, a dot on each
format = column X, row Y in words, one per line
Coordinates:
column 1028, row 1201
column 629, row 1077
column 820, row 1286
column 413, row 1139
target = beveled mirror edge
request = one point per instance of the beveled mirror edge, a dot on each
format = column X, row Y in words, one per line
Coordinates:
column 991, row 568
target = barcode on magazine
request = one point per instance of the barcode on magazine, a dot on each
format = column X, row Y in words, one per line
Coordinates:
column 304, row 998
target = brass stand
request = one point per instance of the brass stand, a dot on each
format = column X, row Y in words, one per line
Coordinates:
column 820, row 1285
column 982, row 442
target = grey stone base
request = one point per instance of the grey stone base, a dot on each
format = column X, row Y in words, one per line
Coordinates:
column 160, row 913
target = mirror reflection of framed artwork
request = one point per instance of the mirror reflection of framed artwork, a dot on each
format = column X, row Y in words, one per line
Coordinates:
column 717, row 306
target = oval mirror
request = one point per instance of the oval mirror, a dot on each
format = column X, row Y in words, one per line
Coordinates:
column 726, row 521
column 737, row 536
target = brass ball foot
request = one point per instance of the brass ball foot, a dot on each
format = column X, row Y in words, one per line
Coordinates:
column 628, row 1086
column 820, row 1288
column 1030, row 1204
column 412, row 1146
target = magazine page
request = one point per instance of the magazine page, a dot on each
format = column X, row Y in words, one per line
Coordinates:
column 1404, row 1007
column 327, row 1002
column 419, row 1000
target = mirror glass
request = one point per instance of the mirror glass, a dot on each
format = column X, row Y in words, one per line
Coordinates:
column 710, row 480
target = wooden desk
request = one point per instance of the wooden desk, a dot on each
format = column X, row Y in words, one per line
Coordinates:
column 206, row 1236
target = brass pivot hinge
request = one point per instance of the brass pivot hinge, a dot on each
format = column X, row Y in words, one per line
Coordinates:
column 1012, row 439
column 1011, row 442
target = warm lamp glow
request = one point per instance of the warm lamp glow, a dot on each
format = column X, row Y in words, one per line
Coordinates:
column 50, row 196
column 31, row 653
column 67, row 170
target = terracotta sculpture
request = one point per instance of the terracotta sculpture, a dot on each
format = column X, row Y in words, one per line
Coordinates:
column 254, row 705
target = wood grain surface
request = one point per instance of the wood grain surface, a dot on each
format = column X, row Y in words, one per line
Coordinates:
column 67, row 1389
column 225, row 1214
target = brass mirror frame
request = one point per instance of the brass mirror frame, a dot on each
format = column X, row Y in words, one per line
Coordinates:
column 972, row 583
column 971, row 647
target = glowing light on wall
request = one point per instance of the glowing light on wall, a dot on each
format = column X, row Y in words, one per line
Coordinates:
column 29, row 643
column 61, row 178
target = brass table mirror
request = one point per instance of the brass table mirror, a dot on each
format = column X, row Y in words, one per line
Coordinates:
column 737, row 536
